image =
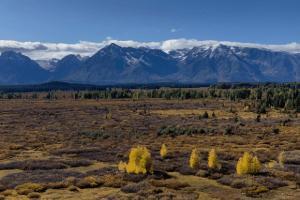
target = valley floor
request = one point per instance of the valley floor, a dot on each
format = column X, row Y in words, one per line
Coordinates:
column 70, row 149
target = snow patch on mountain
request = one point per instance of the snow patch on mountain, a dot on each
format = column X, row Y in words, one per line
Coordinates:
column 47, row 51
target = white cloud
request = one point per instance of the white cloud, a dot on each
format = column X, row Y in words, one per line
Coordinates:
column 44, row 51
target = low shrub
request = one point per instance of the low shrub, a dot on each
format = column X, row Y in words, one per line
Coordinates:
column 73, row 188
column 7, row 193
column 228, row 130
column 27, row 188
column 33, row 165
column 170, row 183
column 77, row 162
column 114, row 181
column 100, row 134
column 102, row 171
column 37, row 176
column 57, row 185
column 134, row 177
column 226, row 180
column 204, row 115
column 135, row 187
column 271, row 182
column 174, row 131
column 88, row 182
column 187, row 170
column 122, row 166
column 202, row 173
column 255, row 191
column 34, row 195
column 271, row 164
column 2, row 188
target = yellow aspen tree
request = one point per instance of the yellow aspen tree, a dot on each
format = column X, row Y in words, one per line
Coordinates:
column 255, row 165
column 213, row 162
column 140, row 161
column 248, row 164
column 194, row 159
column 163, row 151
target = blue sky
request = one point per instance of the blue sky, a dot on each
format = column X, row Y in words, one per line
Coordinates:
column 70, row 21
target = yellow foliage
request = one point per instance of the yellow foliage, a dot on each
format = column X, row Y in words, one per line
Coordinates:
column 140, row 161
column 281, row 158
column 122, row 166
column 194, row 159
column 271, row 164
column 243, row 164
column 92, row 181
column 255, row 165
column 213, row 162
column 163, row 151
column 248, row 164
column 27, row 188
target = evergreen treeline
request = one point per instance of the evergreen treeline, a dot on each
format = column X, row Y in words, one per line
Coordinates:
column 264, row 96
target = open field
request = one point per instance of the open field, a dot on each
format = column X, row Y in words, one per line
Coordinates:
column 70, row 149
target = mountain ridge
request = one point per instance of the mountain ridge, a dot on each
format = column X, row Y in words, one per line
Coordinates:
column 116, row 64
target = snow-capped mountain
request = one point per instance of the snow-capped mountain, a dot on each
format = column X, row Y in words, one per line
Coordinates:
column 115, row 64
column 221, row 63
column 49, row 65
column 212, row 62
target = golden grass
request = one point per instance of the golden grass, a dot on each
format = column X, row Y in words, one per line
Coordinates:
column 65, row 194
column 8, row 171
column 207, row 188
column 94, row 166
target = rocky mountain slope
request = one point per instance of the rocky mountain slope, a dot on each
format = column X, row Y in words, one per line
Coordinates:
column 115, row 64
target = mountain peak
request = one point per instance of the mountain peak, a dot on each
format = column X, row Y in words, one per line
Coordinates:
column 70, row 57
column 11, row 54
column 112, row 46
column 111, row 49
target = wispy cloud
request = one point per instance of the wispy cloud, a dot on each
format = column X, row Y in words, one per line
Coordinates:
column 173, row 30
column 44, row 51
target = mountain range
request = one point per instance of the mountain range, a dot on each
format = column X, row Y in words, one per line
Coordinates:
column 114, row 64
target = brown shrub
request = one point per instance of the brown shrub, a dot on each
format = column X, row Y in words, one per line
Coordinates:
column 73, row 188
column 37, row 176
column 88, row 182
column 34, row 195
column 56, row 185
column 27, row 188
column 170, row 183
column 114, row 181
column 134, row 177
column 135, row 187
column 33, row 165
column 7, row 192
column 255, row 191
column 271, row 182
column 236, row 181
column 2, row 188
column 77, row 162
